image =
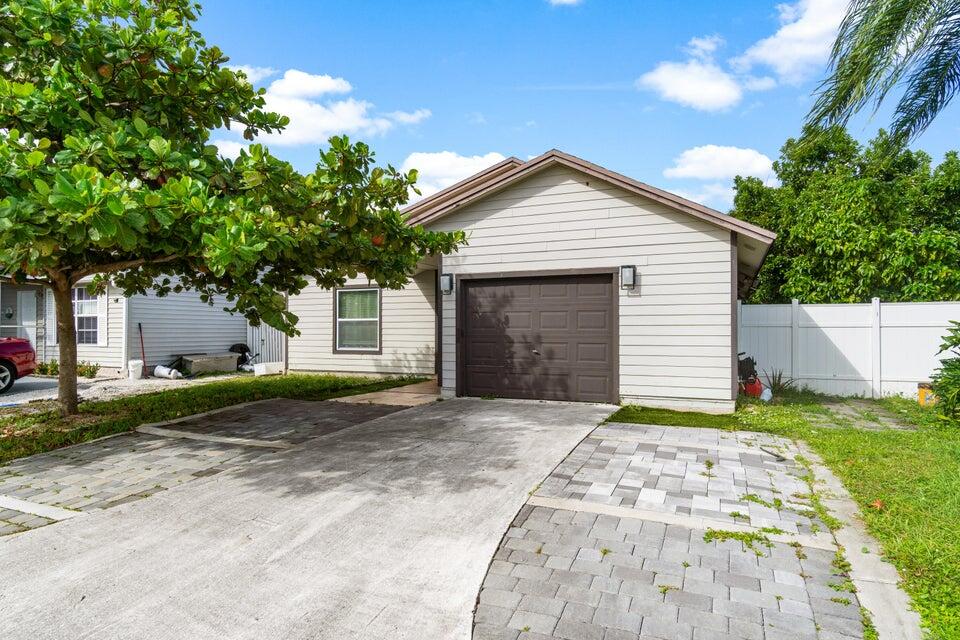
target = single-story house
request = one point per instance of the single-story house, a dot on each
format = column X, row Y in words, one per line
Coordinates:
column 578, row 284
column 110, row 325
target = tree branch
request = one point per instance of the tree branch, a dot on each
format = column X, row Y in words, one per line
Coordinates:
column 113, row 267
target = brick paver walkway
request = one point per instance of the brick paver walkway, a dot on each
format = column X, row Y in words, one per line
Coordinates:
column 635, row 535
column 133, row 466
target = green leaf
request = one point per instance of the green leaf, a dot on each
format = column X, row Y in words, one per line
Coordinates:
column 41, row 187
column 140, row 126
column 35, row 158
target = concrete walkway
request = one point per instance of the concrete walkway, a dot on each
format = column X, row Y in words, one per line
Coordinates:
column 380, row 530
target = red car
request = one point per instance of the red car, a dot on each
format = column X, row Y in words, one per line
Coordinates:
column 17, row 359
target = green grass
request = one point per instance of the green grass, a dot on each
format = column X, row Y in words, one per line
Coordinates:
column 647, row 415
column 25, row 432
column 907, row 484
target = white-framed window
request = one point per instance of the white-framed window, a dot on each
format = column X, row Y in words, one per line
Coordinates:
column 357, row 319
column 86, row 312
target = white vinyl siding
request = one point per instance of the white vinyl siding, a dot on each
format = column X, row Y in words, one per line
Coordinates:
column 107, row 351
column 181, row 323
column 408, row 331
column 675, row 328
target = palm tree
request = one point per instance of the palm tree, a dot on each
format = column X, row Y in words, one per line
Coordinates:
column 883, row 44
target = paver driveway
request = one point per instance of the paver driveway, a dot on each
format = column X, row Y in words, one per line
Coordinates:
column 632, row 537
column 380, row 530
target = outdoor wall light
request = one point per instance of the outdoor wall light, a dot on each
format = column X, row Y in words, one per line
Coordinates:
column 628, row 276
column 446, row 283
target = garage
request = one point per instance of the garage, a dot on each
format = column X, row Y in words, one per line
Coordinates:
column 549, row 337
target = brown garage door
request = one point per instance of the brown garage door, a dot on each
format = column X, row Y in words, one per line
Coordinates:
column 541, row 337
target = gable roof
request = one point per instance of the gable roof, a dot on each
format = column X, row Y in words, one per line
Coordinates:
column 511, row 170
column 459, row 188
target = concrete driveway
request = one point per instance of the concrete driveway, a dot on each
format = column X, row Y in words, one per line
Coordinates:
column 384, row 529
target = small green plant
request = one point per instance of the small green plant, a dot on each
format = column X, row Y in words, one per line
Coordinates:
column 779, row 382
column 604, row 552
column 839, row 600
column 749, row 540
column 798, row 549
column 87, row 369
column 946, row 379
column 539, row 550
column 664, row 588
column 686, row 565
column 752, row 497
column 737, row 515
column 51, row 368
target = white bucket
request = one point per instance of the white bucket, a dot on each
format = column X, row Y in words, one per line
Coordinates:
column 135, row 369
column 166, row 372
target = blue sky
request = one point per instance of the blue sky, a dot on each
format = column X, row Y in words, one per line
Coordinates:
column 682, row 95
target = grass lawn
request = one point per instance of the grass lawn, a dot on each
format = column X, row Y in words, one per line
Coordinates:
column 907, row 484
column 26, row 431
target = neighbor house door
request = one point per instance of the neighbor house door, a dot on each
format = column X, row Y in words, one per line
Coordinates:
column 27, row 316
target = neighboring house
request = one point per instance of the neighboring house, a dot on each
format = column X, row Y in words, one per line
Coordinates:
column 539, row 304
column 109, row 325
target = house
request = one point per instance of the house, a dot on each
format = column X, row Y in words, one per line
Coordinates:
column 110, row 326
column 578, row 283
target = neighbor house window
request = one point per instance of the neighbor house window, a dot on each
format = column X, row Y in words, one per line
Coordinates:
column 85, row 312
column 357, row 315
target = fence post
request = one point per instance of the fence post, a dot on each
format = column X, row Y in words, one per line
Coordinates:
column 795, row 342
column 875, row 350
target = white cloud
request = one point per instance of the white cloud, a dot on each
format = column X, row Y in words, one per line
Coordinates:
column 255, row 74
column 438, row 170
column 700, row 84
column 564, row 3
column 315, row 115
column 761, row 83
column 299, row 84
column 229, row 148
column 314, row 122
column 714, row 194
column 405, row 117
column 802, row 44
column 714, row 162
column 705, row 46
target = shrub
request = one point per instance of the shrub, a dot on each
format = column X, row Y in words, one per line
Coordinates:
column 51, row 368
column 946, row 380
column 778, row 382
column 87, row 369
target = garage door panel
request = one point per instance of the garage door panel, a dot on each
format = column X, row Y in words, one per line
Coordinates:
column 593, row 320
column 554, row 320
column 548, row 337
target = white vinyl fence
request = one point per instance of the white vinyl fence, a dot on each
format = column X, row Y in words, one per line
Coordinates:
column 869, row 350
column 268, row 342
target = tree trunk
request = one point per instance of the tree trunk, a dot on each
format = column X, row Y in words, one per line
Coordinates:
column 67, row 337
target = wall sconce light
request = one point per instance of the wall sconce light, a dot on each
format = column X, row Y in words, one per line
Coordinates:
column 628, row 276
column 446, row 283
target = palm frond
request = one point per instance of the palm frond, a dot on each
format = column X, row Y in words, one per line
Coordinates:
column 885, row 44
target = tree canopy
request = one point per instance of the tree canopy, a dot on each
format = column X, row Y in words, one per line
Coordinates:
column 854, row 222
column 887, row 45
column 106, row 110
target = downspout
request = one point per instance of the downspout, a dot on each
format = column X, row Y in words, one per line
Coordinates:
column 125, row 349
column 438, row 333
column 286, row 341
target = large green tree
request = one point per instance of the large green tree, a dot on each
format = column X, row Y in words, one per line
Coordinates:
column 855, row 222
column 106, row 170
column 906, row 46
